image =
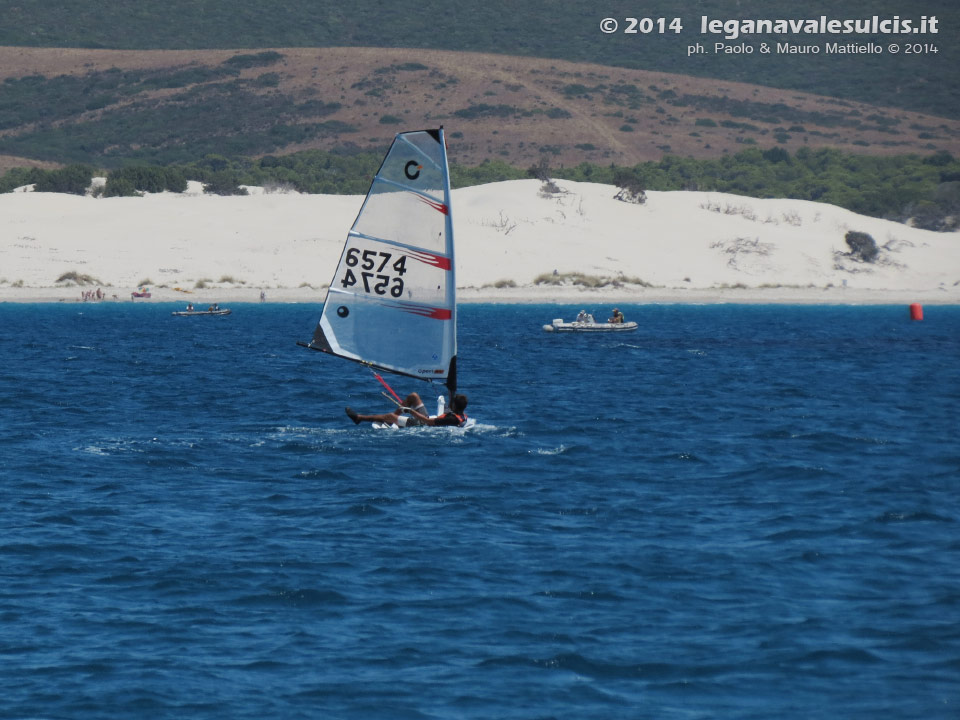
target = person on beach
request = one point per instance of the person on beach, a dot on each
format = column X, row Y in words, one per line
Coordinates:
column 617, row 316
column 454, row 417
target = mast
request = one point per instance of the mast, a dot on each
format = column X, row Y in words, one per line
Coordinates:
column 452, row 275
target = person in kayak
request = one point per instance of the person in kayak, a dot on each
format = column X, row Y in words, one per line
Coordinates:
column 455, row 416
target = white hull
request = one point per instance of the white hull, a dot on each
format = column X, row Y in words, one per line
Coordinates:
column 588, row 327
column 441, row 407
column 383, row 426
column 197, row 313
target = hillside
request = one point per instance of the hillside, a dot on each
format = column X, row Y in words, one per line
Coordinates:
column 567, row 30
column 110, row 107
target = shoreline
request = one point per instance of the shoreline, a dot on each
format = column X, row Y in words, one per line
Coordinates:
column 516, row 243
column 522, row 295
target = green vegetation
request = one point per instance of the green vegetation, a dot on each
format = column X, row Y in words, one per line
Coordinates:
column 78, row 279
column 630, row 187
column 500, row 284
column 924, row 189
column 588, row 281
column 563, row 29
column 73, row 179
column 136, row 179
column 211, row 111
column 484, row 110
column 862, row 246
column 254, row 60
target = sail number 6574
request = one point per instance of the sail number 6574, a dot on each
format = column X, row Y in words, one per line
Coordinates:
column 370, row 265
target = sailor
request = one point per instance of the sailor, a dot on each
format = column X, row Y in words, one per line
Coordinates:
column 617, row 316
column 456, row 416
column 582, row 316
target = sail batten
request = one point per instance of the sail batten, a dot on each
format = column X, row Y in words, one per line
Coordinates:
column 409, row 189
column 387, row 241
column 392, row 301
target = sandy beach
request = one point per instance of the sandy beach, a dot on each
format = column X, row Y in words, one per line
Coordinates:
column 686, row 247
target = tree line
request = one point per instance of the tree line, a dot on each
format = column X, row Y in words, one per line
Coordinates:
column 923, row 189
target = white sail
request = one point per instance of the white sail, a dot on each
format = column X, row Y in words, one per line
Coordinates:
column 392, row 302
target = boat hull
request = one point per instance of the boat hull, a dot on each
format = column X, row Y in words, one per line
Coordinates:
column 588, row 327
column 194, row 313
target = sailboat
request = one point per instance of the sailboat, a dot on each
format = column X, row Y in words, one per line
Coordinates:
column 392, row 302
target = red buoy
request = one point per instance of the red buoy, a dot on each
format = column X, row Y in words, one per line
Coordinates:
column 916, row 311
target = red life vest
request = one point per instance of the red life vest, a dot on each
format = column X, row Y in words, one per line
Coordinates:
column 461, row 419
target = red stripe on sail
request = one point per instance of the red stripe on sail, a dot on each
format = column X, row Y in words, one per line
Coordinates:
column 435, row 205
column 430, row 259
column 432, row 313
column 427, row 312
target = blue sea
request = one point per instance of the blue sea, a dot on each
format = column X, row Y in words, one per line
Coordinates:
column 734, row 512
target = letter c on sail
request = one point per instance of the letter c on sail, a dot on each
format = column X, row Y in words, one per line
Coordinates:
column 416, row 169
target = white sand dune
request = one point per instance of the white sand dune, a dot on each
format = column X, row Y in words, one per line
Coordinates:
column 682, row 247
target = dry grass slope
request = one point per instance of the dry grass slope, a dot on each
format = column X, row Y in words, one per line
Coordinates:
column 524, row 110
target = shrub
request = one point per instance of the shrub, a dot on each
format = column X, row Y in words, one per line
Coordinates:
column 78, row 279
column 776, row 155
column 146, row 178
column 225, row 182
column 253, row 60
column 631, row 189
column 119, row 187
column 575, row 89
column 483, row 110
column 587, row 281
column 862, row 246
column 73, row 179
column 540, row 171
